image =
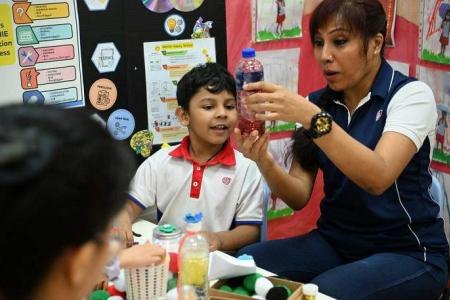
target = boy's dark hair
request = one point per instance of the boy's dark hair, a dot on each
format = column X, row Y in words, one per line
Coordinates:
column 210, row 76
column 62, row 180
column 364, row 17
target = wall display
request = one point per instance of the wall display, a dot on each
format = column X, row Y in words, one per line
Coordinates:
column 186, row 5
column 174, row 25
column 165, row 63
column 435, row 29
column 40, row 53
column 277, row 19
column 103, row 94
column 141, row 142
column 96, row 5
column 390, row 6
column 158, row 6
column 439, row 81
column 281, row 67
column 121, row 124
column 106, row 57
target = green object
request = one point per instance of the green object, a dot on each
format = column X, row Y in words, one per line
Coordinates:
column 249, row 282
column 99, row 295
column 241, row 291
column 287, row 289
column 167, row 228
column 226, row 288
column 171, row 283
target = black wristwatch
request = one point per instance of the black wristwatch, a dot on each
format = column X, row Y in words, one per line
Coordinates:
column 321, row 124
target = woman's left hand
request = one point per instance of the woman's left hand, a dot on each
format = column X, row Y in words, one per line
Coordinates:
column 275, row 102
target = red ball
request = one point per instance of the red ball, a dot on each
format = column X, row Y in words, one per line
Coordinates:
column 114, row 292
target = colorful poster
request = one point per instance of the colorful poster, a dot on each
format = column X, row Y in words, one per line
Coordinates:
column 435, row 28
column 390, row 6
column 165, row 63
column 439, row 81
column 281, row 67
column 40, row 58
column 277, row 19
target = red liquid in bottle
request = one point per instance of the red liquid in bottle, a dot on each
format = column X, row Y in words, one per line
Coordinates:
column 248, row 70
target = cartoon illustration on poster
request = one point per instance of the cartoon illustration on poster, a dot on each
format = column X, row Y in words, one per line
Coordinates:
column 435, row 27
column 277, row 19
column 165, row 63
column 439, row 81
column 40, row 56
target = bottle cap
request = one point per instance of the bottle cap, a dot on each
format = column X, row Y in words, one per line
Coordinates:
column 248, row 52
column 310, row 289
column 193, row 222
column 166, row 232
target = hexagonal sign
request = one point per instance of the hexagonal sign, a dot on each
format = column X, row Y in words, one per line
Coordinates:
column 106, row 57
column 94, row 5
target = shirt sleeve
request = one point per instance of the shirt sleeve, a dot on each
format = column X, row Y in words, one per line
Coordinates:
column 143, row 186
column 412, row 112
column 250, row 203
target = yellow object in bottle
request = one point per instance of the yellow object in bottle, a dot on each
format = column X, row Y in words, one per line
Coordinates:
column 194, row 270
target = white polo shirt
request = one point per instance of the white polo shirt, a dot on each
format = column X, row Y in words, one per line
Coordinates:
column 227, row 189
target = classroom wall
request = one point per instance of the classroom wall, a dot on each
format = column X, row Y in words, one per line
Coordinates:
column 238, row 16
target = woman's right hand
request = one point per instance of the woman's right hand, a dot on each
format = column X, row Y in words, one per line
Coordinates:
column 253, row 146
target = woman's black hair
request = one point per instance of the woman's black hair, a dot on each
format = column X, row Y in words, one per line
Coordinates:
column 62, row 180
column 366, row 18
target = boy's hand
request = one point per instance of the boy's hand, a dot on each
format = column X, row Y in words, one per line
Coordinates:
column 141, row 256
column 214, row 240
column 123, row 226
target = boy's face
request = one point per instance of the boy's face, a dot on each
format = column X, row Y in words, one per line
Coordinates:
column 211, row 118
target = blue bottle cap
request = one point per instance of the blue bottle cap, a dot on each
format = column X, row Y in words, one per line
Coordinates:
column 248, row 52
column 192, row 219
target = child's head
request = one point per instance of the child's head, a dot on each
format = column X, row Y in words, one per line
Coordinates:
column 62, row 180
column 211, row 76
column 207, row 99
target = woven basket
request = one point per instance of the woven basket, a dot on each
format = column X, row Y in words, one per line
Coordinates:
column 149, row 283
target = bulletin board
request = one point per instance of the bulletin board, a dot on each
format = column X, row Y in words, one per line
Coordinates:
column 129, row 24
column 55, row 51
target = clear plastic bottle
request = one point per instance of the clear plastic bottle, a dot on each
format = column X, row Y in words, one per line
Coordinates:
column 248, row 70
column 193, row 258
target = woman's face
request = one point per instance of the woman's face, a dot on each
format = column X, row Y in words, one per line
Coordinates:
column 341, row 56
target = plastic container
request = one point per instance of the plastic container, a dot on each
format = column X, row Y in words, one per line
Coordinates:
column 310, row 291
column 248, row 70
column 148, row 283
column 167, row 236
column 193, row 258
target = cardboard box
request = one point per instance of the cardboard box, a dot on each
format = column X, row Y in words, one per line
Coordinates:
column 216, row 294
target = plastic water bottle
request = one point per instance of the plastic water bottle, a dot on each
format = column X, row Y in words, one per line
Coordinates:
column 248, row 70
column 193, row 258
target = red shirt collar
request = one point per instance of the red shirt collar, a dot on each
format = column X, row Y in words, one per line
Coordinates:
column 224, row 157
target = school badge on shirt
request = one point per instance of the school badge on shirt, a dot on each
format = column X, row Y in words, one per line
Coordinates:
column 226, row 180
column 379, row 114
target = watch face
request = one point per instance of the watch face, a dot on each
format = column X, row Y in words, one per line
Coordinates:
column 323, row 124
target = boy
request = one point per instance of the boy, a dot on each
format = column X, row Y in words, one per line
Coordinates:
column 204, row 173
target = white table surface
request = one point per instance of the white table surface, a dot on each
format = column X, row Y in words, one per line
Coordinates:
column 145, row 229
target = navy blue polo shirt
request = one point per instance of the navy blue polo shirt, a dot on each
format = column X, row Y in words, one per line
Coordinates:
column 401, row 220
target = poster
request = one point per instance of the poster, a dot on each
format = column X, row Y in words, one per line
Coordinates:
column 165, row 63
column 281, row 67
column 435, row 29
column 439, row 81
column 390, row 6
column 40, row 56
column 277, row 19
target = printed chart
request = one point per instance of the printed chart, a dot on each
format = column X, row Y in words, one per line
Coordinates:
column 40, row 59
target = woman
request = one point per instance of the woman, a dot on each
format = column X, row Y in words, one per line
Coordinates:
column 62, row 181
column 369, row 131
